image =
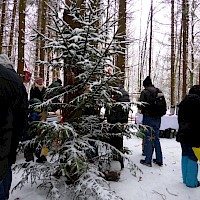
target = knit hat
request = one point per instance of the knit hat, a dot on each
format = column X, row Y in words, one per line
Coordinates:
column 39, row 81
column 147, row 81
column 4, row 60
column 195, row 89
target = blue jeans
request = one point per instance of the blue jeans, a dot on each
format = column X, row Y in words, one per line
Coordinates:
column 5, row 185
column 151, row 139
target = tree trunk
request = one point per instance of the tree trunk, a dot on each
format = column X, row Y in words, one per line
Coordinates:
column 69, row 19
column 12, row 28
column 37, row 53
column 172, row 54
column 21, row 37
column 199, row 73
column 179, row 66
column 150, row 39
column 42, row 42
column 185, row 17
column 68, row 73
column 192, row 44
column 3, row 10
column 122, row 33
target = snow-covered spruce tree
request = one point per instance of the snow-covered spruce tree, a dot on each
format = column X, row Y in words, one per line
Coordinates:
column 83, row 50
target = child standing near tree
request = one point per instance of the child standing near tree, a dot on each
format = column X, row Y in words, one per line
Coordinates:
column 35, row 114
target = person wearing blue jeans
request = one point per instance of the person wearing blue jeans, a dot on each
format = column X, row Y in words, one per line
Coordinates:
column 151, row 121
column 5, row 185
column 152, row 141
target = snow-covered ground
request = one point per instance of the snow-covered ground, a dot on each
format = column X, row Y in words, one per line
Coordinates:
column 156, row 183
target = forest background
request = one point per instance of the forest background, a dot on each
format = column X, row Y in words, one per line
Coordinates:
column 162, row 39
column 92, row 46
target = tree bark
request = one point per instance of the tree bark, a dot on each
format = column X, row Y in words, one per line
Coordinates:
column 172, row 55
column 185, row 17
column 2, row 25
column 122, row 33
column 150, row 39
column 37, row 50
column 12, row 28
column 69, row 75
column 42, row 42
column 21, row 37
column 69, row 19
column 192, row 44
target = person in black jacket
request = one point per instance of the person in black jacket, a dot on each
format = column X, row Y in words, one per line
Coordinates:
column 118, row 114
column 188, row 135
column 38, row 90
column 153, row 122
column 13, row 119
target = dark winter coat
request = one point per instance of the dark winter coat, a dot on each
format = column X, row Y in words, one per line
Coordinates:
column 13, row 116
column 117, row 113
column 188, row 119
column 36, row 93
column 145, row 98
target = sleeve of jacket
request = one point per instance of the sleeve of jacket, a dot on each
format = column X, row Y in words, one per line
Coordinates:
column 188, row 131
column 143, row 98
column 20, row 120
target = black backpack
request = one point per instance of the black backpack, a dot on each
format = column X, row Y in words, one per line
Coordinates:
column 157, row 104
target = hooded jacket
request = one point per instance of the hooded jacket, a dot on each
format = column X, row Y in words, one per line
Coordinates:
column 13, row 116
column 145, row 96
column 189, row 130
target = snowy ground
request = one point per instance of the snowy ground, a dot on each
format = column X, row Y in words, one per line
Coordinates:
column 157, row 183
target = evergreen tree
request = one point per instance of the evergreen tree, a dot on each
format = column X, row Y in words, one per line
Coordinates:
column 84, row 54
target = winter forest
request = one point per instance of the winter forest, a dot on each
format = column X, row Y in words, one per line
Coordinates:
column 92, row 46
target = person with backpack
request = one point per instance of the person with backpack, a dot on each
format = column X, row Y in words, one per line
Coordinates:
column 153, row 107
